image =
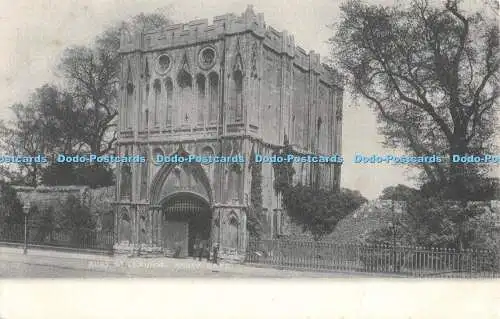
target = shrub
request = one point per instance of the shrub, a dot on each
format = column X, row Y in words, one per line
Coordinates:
column 11, row 206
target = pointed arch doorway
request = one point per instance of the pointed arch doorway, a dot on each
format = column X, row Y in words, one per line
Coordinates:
column 187, row 220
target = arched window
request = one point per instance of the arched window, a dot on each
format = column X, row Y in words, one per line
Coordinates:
column 157, row 89
column 200, row 83
column 129, row 104
column 213, row 109
column 237, row 95
column 185, row 83
column 144, row 116
column 184, row 79
column 170, row 98
column 126, row 180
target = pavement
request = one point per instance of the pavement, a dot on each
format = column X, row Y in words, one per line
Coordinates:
column 42, row 263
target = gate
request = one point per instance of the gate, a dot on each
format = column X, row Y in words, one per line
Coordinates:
column 186, row 220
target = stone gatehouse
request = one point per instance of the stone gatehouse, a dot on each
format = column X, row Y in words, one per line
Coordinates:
column 235, row 87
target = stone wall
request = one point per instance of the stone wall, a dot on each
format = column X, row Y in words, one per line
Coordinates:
column 371, row 216
column 45, row 196
column 98, row 200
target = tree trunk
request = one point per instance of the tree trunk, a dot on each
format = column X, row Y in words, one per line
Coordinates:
column 457, row 188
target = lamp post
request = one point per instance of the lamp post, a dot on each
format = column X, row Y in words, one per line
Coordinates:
column 26, row 210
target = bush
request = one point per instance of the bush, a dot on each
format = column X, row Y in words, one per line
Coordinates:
column 75, row 215
column 430, row 222
column 11, row 206
column 108, row 221
column 318, row 210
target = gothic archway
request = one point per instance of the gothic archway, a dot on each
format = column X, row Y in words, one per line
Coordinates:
column 187, row 220
column 182, row 177
column 184, row 195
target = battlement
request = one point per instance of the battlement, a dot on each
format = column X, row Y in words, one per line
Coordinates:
column 199, row 31
column 192, row 32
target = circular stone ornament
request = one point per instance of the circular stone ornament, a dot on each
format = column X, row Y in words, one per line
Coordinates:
column 207, row 57
column 163, row 63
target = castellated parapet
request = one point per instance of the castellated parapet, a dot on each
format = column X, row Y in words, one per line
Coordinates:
column 200, row 31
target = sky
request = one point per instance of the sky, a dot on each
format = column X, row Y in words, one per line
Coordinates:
column 35, row 32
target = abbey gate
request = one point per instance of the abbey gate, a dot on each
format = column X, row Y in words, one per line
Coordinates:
column 233, row 88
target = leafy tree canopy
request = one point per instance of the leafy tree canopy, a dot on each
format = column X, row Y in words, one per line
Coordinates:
column 431, row 73
column 11, row 206
column 80, row 116
column 318, row 210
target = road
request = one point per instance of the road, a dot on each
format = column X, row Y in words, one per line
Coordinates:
column 50, row 264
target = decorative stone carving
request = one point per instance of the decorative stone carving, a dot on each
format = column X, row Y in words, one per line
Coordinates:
column 207, row 151
column 184, row 64
column 238, row 61
column 207, row 57
column 339, row 113
column 254, row 61
column 163, row 64
column 146, row 70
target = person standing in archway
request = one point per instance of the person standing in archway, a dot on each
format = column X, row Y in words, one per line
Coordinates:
column 203, row 247
column 196, row 247
column 215, row 258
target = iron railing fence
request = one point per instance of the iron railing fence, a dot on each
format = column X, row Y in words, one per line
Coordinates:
column 78, row 238
column 400, row 260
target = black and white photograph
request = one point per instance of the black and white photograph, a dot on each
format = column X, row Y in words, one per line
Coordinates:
column 220, row 140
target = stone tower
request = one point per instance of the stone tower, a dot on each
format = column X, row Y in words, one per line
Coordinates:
column 236, row 87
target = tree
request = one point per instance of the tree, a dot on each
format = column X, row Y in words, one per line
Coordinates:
column 77, row 219
column 399, row 193
column 40, row 127
column 93, row 176
column 92, row 80
column 319, row 210
column 92, row 75
column 108, row 221
column 77, row 118
column 432, row 75
column 75, row 215
column 42, row 223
